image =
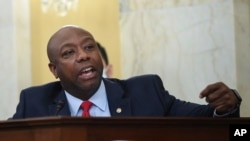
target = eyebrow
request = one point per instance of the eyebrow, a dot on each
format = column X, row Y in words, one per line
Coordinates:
column 88, row 39
column 82, row 42
column 67, row 45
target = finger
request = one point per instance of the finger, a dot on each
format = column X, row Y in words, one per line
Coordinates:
column 211, row 98
column 216, row 95
column 223, row 108
column 223, row 104
column 212, row 88
column 209, row 89
column 217, row 102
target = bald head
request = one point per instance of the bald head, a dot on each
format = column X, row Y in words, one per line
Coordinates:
column 59, row 36
column 75, row 60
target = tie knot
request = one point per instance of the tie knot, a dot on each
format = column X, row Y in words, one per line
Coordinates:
column 86, row 106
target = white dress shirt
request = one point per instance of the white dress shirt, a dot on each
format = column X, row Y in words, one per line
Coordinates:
column 100, row 107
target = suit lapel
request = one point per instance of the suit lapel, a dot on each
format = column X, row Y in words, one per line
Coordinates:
column 119, row 104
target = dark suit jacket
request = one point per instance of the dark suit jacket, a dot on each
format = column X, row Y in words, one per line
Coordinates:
column 137, row 96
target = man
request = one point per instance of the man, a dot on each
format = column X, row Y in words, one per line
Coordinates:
column 107, row 68
column 75, row 59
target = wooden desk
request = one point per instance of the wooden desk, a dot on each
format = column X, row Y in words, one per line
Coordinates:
column 114, row 129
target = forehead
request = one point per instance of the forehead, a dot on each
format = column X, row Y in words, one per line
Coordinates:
column 71, row 33
column 68, row 35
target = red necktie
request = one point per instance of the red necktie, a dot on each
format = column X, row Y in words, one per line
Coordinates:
column 86, row 106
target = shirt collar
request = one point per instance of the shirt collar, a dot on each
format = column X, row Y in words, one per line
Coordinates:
column 99, row 99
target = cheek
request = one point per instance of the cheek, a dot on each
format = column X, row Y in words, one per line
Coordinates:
column 99, row 60
column 65, row 70
column 100, row 63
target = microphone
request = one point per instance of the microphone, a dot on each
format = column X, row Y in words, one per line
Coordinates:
column 59, row 106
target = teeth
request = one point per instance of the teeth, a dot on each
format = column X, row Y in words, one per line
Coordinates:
column 87, row 69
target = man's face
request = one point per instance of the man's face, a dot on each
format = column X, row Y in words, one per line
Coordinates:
column 77, row 62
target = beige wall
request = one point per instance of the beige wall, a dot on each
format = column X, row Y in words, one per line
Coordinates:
column 97, row 16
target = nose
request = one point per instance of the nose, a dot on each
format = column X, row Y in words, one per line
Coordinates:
column 82, row 55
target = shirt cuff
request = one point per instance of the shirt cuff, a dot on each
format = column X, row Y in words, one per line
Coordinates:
column 226, row 114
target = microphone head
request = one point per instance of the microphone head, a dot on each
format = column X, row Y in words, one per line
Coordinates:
column 60, row 102
column 59, row 106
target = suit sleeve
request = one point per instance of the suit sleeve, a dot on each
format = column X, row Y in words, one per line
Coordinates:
column 179, row 108
column 20, row 107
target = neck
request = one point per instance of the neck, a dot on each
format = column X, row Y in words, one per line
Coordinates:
column 83, row 94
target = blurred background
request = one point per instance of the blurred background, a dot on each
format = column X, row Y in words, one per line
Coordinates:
column 188, row 43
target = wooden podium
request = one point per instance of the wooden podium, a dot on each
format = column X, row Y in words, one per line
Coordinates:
column 118, row 129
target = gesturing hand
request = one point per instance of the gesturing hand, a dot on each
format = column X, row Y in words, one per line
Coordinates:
column 220, row 97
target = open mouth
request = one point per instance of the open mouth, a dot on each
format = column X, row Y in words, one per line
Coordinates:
column 87, row 73
column 87, row 70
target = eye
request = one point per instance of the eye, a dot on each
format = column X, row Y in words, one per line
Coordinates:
column 90, row 47
column 67, row 53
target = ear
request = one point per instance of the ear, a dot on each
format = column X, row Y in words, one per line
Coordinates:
column 52, row 68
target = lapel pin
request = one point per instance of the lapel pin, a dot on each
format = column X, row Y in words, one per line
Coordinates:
column 118, row 110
